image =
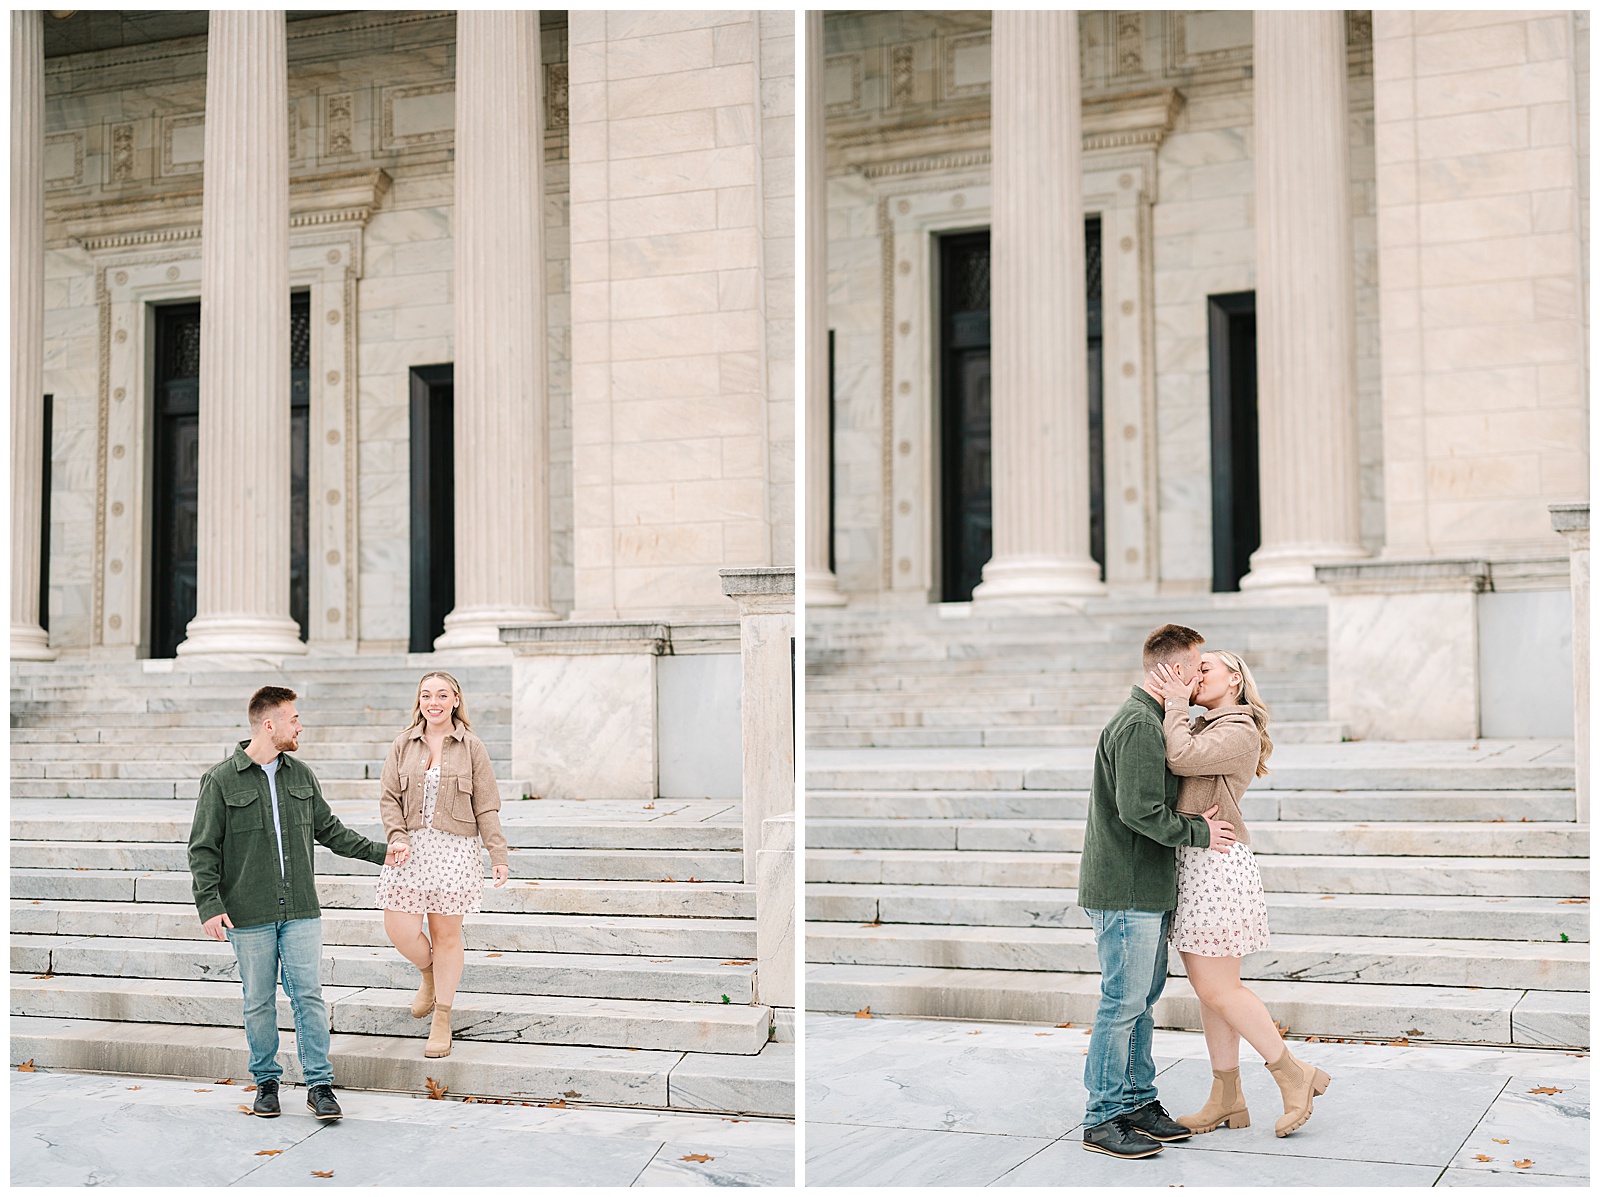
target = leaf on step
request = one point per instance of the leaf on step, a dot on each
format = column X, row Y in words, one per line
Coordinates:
column 1326, row 898
column 467, row 1101
column 249, row 1089
column 436, row 1091
column 324, row 1175
column 1546, row 1090
column 1041, row 1034
column 649, row 806
column 1060, row 1025
column 1572, row 901
column 725, row 1001
column 44, row 977
column 132, row 1087
column 698, row 1159
column 1522, row 1163
column 557, row 1104
column 572, row 1093
column 873, row 923
column 530, row 883
column 1564, row 938
column 80, row 868
column 28, row 1067
column 1400, row 1042
column 271, row 1151
column 1502, row 1140
column 725, row 963
column 202, row 1090
column 864, row 1012
column 1088, row 1031
column 664, row 879
column 1484, row 1159
column 969, row 1032
column 1283, row 1029
column 244, row 1109
column 492, row 956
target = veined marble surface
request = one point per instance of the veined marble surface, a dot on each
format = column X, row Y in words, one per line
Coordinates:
column 900, row 1101
column 80, row 1129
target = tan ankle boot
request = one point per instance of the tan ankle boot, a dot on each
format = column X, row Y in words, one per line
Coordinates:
column 1225, row 1106
column 439, row 1033
column 422, row 1004
column 1300, row 1082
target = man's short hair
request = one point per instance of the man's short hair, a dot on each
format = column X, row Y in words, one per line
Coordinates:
column 267, row 700
column 1168, row 641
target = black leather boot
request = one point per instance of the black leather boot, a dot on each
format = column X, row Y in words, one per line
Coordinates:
column 1152, row 1119
column 320, row 1101
column 266, row 1099
column 1117, row 1137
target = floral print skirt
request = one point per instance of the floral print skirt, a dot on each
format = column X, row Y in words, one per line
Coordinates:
column 443, row 874
column 1222, row 910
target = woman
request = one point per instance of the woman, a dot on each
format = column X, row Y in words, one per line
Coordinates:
column 1222, row 912
column 439, row 799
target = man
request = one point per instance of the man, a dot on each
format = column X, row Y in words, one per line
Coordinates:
column 251, row 856
column 1128, row 886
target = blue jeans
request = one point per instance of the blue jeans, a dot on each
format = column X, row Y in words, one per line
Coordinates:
column 1120, row 1072
column 292, row 949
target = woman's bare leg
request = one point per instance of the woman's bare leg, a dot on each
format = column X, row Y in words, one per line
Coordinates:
column 449, row 955
column 1216, row 983
column 1222, row 1041
column 405, row 932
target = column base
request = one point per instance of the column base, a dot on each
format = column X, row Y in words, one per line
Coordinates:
column 1293, row 567
column 479, row 627
column 822, row 589
column 30, row 642
column 241, row 635
column 1035, row 580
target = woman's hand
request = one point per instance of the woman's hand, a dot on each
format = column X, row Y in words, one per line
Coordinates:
column 501, row 873
column 398, row 852
column 1164, row 680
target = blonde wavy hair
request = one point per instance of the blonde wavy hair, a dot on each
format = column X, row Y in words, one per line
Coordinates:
column 460, row 713
column 1250, row 698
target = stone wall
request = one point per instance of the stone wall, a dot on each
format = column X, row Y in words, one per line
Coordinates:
column 1481, row 193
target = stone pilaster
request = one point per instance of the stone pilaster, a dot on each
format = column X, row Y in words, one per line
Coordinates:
column 501, row 410
column 28, row 640
column 243, row 524
column 1572, row 521
column 1040, row 402
column 822, row 588
column 766, row 647
column 1305, row 300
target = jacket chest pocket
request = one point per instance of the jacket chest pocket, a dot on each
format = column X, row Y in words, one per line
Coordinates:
column 245, row 810
column 294, row 804
column 460, row 799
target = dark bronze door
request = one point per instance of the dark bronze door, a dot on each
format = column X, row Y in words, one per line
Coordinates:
column 967, row 511
column 1235, row 463
column 433, row 504
column 176, row 491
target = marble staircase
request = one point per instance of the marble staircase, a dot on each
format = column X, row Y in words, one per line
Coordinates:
column 942, row 676
column 616, row 967
column 1433, row 892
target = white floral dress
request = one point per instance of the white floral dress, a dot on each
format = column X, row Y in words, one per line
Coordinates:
column 443, row 874
column 1221, row 910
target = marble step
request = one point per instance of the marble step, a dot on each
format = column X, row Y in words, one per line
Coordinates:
column 499, row 1018
column 1344, row 1010
column 369, row 729
column 1389, row 960
column 1438, row 916
column 513, row 931
column 687, row 825
column 180, row 755
column 1083, row 735
column 685, row 977
column 1484, row 876
column 132, row 715
column 762, row 1084
column 366, row 789
column 581, row 863
column 615, row 898
column 1259, row 806
column 1516, row 839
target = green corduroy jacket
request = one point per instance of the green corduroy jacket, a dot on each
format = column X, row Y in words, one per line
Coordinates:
column 233, row 851
column 1128, row 859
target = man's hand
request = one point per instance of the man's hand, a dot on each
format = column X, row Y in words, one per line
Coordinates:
column 213, row 927
column 501, row 872
column 399, row 851
column 1222, row 837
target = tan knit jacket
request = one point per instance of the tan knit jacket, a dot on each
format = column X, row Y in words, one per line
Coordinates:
column 469, row 800
column 1216, row 758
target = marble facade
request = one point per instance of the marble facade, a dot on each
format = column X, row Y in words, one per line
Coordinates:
column 690, row 471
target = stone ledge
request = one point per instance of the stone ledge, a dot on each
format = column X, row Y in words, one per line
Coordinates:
column 1472, row 575
column 621, row 637
column 1569, row 517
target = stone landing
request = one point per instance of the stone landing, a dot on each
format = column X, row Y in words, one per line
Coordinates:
column 1434, row 892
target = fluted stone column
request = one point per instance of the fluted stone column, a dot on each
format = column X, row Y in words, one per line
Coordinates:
column 822, row 588
column 243, row 555
column 1039, row 414
column 29, row 641
column 1305, row 300
column 501, row 460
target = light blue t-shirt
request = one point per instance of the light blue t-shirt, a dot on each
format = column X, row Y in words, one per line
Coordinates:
column 271, row 768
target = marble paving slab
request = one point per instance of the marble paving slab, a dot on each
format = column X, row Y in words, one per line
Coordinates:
column 1550, row 1131
column 868, row 1155
column 1066, row 1163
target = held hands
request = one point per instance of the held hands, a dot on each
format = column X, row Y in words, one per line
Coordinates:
column 1222, row 837
column 213, row 927
column 399, row 851
column 501, row 873
column 1163, row 679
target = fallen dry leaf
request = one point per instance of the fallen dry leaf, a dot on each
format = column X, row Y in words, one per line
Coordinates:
column 557, row 1104
column 324, row 1175
column 492, row 956
column 864, row 1012
column 1547, row 1090
column 1522, row 1163
column 249, row 1089
column 1572, row 901
column 572, row 1093
column 271, row 1151
column 1326, row 898
column 244, row 1109
column 1484, row 1159
column 974, row 1032
column 44, row 976
column 436, row 1091
column 28, row 1067
column 1041, row 1034
column 1400, row 1042
column 202, row 1090
column 227, row 1081
column 1059, row 1025
column 1283, row 1029
column 135, row 1087
column 728, row 962
column 530, row 883
column 1502, row 1140
column 698, row 1159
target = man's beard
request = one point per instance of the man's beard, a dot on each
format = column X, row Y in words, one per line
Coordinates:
column 285, row 743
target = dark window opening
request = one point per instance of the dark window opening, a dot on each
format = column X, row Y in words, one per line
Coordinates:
column 433, row 551
column 1235, row 464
